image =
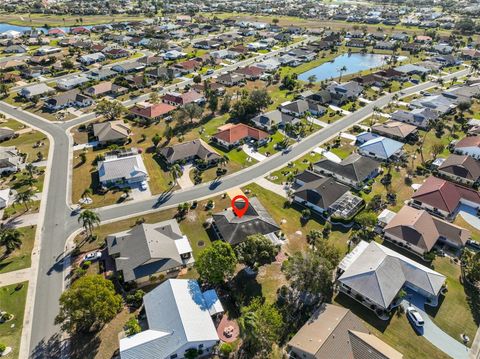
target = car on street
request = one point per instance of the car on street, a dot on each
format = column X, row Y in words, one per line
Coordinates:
column 415, row 317
column 93, row 256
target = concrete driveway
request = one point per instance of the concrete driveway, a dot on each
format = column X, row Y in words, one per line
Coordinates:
column 469, row 214
column 433, row 333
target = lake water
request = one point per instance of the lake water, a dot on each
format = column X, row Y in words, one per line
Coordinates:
column 353, row 62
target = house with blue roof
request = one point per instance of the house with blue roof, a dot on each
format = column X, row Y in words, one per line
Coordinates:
column 378, row 147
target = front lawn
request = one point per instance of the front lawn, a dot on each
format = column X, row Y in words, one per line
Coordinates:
column 455, row 302
column 19, row 258
column 12, row 300
column 282, row 175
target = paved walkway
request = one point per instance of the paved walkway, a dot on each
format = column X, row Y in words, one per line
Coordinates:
column 85, row 145
column 363, row 99
column 330, row 155
column 275, row 188
column 475, row 349
column 433, row 333
column 254, row 154
column 25, row 220
column 348, row 136
column 17, row 276
column 185, row 181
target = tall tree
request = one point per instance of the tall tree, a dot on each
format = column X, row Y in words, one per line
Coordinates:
column 261, row 326
column 88, row 304
column 25, row 198
column 216, row 263
column 191, row 111
column 176, row 172
column 256, row 250
column 111, row 110
column 89, row 220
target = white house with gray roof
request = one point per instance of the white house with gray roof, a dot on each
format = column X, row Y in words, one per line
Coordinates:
column 40, row 89
column 179, row 317
column 150, row 249
column 374, row 275
column 122, row 170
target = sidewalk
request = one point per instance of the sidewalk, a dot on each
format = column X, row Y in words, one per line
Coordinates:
column 253, row 154
column 330, row 155
column 475, row 349
column 273, row 187
column 17, row 276
column 335, row 108
column 25, row 220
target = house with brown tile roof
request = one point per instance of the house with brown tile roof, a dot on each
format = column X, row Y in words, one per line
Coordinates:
column 105, row 88
column 469, row 145
column 418, row 231
column 396, row 130
column 461, row 168
column 334, row 332
column 181, row 99
column 250, row 72
column 230, row 135
column 188, row 66
column 151, row 112
column 442, row 198
column 188, row 151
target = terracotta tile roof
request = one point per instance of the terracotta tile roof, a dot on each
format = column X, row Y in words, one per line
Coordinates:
column 238, row 132
column 182, row 99
column 250, row 71
column 469, row 141
column 443, row 194
column 148, row 110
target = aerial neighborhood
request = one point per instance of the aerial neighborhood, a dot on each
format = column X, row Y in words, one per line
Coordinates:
column 259, row 179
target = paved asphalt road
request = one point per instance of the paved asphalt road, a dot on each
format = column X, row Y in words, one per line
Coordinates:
column 58, row 223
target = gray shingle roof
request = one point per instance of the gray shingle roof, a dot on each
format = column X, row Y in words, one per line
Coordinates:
column 355, row 167
column 235, row 230
column 195, row 148
column 322, row 192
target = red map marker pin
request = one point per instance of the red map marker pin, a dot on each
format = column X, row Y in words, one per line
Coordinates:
column 240, row 211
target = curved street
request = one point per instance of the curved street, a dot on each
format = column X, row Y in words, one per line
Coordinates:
column 58, row 224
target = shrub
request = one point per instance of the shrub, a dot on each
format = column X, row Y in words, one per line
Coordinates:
column 2, row 347
column 226, row 349
column 132, row 327
column 86, row 264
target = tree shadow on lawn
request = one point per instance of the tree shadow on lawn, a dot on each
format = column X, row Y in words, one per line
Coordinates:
column 50, row 348
column 84, row 345
column 244, row 288
column 473, row 299
column 362, row 312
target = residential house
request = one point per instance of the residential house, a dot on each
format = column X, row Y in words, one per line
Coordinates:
column 334, row 332
column 173, row 55
column 374, row 275
column 418, row 231
column 151, row 111
column 354, row 171
column 101, row 74
column 469, row 145
column 149, row 249
column 111, row 132
column 47, row 50
column 10, row 160
column 463, row 169
column 396, row 130
column 231, row 79
column 251, row 73
column 190, row 151
column 114, row 53
column 105, row 88
column 179, row 318
column 266, row 121
column 72, row 98
column 420, row 117
column 344, row 92
column 231, row 135
column 412, row 69
column 232, row 229
column 378, row 147
column 122, row 170
column 4, row 197
column 300, row 107
column 181, row 99
column 325, row 195
column 16, row 49
column 92, row 58
column 128, row 67
column 37, row 90
column 443, row 198
column 163, row 73
column 69, row 83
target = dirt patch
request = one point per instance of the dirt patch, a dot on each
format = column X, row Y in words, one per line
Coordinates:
column 191, row 216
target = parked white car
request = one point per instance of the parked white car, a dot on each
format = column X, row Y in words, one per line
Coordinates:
column 415, row 317
column 92, row 256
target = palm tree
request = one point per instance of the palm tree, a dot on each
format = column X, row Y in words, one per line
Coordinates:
column 89, row 220
column 11, row 239
column 341, row 70
column 177, row 172
column 87, row 193
column 25, row 198
column 311, row 79
column 31, row 169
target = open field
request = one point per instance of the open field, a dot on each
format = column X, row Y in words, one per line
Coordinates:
column 40, row 20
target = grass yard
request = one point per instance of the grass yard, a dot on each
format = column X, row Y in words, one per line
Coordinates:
column 13, row 302
column 397, row 332
column 19, row 258
column 281, row 176
column 19, row 209
column 39, row 20
column 269, row 148
column 32, row 143
column 456, row 301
